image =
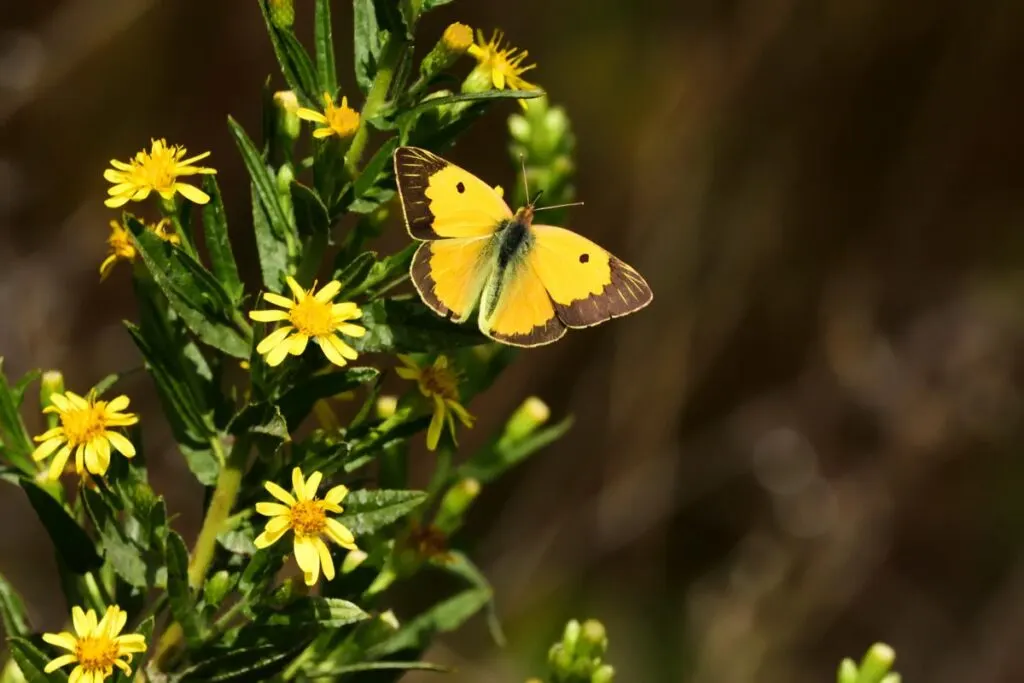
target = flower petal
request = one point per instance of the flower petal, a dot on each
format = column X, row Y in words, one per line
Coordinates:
column 269, row 316
column 55, row 664
column 80, row 620
column 192, row 193
column 272, row 509
column 328, row 292
column 132, row 642
column 118, row 404
column 299, row 484
column 312, row 484
column 310, row 115
column 293, row 285
column 340, row 534
column 352, row 330
column 436, row 424
column 336, row 494
column 277, row 354
column 342, row 348
column 278, row 300
column 329, row 351
column 123, row 445
column 325, row 558
column 273, row 339
column 273, row 531
column 62, row 639
column 58, row 462
column 279, row 493
column 297, row 344
column 46, row 449
column 307, row 558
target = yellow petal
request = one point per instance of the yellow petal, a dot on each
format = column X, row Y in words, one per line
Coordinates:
column 298, row 292
column 312, row 484
column 268, row 316
column 325, row 558
column 46, row 449
column 277, row 354
column 58, row 462
column 342, row 348
column 80, row 619
column 298, row 484
column 297, row 344
column 123, row 445
column 272, row 509
column 436, row 424
column 62, row 639
column 323, row 132
column 336, row 494
column 192, row 193
column 279, row 493
column 352, row 330
column 133, row 642
column 328, row 291
column 63, row 660
column 329, row 351
column 272, row 340
column 310, row 115
column 278, row 300
column 118, row 404
column 307, row 558
column 340, row 534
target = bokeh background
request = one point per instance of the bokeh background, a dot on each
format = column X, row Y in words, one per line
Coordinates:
column 810, row 441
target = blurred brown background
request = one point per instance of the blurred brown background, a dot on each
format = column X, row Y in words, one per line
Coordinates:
column 809, row 442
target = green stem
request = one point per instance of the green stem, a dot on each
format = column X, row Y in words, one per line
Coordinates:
column 225, row 494
column 391, row 54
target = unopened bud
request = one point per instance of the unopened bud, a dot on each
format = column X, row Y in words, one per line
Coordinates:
column 52, row 382
column 217, row 587
column 526, row 419
column 288, row 123
column 386, row 406
column 282, row 13
column 455, row 503
column 876, row 664
column 604, row 674
column 352, row 561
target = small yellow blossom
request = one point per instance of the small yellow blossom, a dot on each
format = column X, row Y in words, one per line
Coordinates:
column 85, row 431
column 310, row 315
column 503, row 66
column 123, row 249
column 440, row 384
column 157, row 171
column 341, row 121
column 96, row 647
column 457, row 37
column 307, row 518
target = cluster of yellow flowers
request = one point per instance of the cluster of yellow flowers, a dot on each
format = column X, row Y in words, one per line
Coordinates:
column 88, row 428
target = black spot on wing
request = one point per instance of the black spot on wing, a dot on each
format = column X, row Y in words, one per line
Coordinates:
column 584, row 258
column 626, row 292
column 413, row 168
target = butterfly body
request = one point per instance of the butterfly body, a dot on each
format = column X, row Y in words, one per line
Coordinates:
column 528, row 283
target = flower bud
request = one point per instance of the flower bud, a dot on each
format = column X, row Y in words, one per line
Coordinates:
column 527, row 418
column 453, row 44
column 217, row 587
column 52, row 382
column 876, row 663
column 847, row 671
column 604, row 674
column 455, row 503
column 386, row 406
column 288, row 124
column 593, row 640
column 282, row 13
column 352, row 561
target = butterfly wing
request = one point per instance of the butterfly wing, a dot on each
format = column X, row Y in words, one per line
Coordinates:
column 441, row 200
column 586, row 284
column 449, row 274
column 515, row 308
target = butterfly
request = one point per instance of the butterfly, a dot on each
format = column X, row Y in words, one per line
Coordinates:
column 530, row 283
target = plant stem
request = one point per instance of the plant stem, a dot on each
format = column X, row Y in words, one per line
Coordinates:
column 391, row 53
column 224, row 496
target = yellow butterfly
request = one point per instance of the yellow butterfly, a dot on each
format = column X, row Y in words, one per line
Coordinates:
column 532, row 282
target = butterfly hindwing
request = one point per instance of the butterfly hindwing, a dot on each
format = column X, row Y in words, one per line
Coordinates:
column 441, row 200
column 450, row 274
column 516, row 309
column 587, row 285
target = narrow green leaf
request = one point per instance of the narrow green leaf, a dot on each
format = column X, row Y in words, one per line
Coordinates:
column 218, row 244
column 120, row 552
column 352, row 273
column 259, row 663
column 432, row 4
column 19, row 388
column 15, row 438
column 497, row 458
column 407, row 326
column 32, row 661
column 310, row 213
column 263, row 183
column 441, row 618
column 273, row 252
column 325, row 612
column 457, row 563
column 367, row 42
column 475, row 97
column 12, row 610
column 179, row 593
column 388, row 269
column 295, row 66
column 260, row 571
column 325, row 63
column 298, row 402
column 369, row 511
column 378, row 167
column 380, row 666
column 73, row 545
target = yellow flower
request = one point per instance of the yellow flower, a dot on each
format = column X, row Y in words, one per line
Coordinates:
column 157, row 171
column 307, row 518
column 341, row 121
column 97, row 648
column 503, row 66
column 457, row 37
column 440, row 384
column 85, row 430
column 310, row 315
column 123, row 249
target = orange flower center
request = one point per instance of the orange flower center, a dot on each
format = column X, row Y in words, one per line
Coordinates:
column 82, row 425
column 440, row 382
column 96, row 653
column 158, row 168
column 342, row 120
column 312, row 318
column 307, row 518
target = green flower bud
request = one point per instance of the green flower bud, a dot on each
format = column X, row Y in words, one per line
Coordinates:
column 288, row 124
column 282, row 13
column 217, row 587
column 593, row 640
column 604, row 674
column 352, row 561
column 453, row 44
column 847, row 671
column 455, row 503
column 386, row 406
column 876, row 663
column 51, row 383
column 527, row 418
column 571, row 636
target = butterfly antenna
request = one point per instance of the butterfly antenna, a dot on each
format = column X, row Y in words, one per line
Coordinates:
column 558, row 206
column 526, row 185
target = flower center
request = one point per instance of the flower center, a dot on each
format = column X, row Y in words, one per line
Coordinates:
column 96, row 653
column 159, row 169
column 121, row 244
column 82, row 425
column 440, row 382
column 343, row 121
column 308, row 518
column 312, row 318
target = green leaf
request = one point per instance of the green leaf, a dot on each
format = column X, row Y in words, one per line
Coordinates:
column 71, row 542
column 273, row 252
column 387, row 269
column 407, row 326
column 13, row 436
column 497, row 458
column 325, row 63
column 298, row 71
column 352, row 273
column 310, row 213
column 432, row 4
column 260, row 571
column 12, row 610
column 297, row 402
column 193, row 293
column 218, row 244
column 179, row 593
column 380, row 163
column 264, row 185
column 475, row 97
column 259, row 663
column 32, row 661
column 369, row 511
column 119, row 551
column 379, row 666
column 325, row 612
column 367, row 42
column 441, row 618
column 457, row 563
